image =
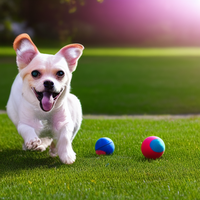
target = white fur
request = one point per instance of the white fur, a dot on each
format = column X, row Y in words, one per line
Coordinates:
column 56, row 127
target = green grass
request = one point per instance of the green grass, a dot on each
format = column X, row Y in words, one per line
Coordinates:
column 135, row 85
column 124, row 175
column 140, row 83
column 192, row 51
column 112, row 81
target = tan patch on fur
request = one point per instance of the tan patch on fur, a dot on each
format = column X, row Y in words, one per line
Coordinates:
column 18, row 39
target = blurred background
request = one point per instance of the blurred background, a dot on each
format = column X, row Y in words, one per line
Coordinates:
column 103, row 22
column 140, row 57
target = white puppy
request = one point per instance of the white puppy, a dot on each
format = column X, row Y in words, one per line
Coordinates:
column 40, row 104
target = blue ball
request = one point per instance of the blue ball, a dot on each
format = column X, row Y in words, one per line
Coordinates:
column 104, row 146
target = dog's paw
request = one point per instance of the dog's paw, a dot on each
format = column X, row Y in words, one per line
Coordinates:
column 52, row 154
column 40, row 148
column 68, row 158
column 45, row 142
column 34, row 144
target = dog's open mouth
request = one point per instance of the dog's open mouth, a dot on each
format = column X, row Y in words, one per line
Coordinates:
column 47, row 99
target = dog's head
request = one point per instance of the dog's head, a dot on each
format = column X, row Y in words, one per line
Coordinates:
column 46, row 78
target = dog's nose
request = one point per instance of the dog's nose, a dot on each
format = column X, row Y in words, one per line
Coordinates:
column 48, row 84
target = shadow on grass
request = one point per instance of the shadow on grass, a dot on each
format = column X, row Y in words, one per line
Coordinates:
column 16, row 160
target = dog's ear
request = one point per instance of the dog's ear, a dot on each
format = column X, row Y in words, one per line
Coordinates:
column 25, row 50
column 71, row 53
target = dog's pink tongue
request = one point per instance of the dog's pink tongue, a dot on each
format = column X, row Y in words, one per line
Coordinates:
column 47, row 101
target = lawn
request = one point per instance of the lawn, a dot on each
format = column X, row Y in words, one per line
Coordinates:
column 138, row 83
column 124, row 175
column 135, row 82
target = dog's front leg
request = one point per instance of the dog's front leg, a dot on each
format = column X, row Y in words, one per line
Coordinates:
column 31, row 140
column 64, row 146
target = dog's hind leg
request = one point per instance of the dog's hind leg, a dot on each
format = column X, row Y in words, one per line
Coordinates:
column 53, row 150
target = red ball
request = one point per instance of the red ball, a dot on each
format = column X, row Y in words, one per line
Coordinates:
column 153, row 147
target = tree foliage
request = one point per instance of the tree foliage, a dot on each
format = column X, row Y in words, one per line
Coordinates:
column 46, row 16
column 9, row 10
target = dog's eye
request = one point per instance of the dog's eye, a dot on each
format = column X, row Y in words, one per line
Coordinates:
column 35, row 73
column 60, row 73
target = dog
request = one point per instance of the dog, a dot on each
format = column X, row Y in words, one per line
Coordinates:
column 40, row 104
